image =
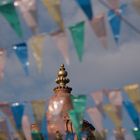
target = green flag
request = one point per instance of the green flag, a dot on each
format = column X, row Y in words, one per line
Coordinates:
column 9, row 12
column 77, row 32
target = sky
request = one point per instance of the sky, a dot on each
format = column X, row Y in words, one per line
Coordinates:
column 101, row 68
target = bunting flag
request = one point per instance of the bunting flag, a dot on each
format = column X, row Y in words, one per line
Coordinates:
column 98, row 99
column 77, row 32
column 17, row 110
column 114, row 18
column 44, row 128
column 112, row 113
column 28, row 10
column 26, row 127
column 86, row 6
column 54, row 9
column 136, row 132
column 37, row 45
column 116, row 100
column 21, row 51
column 76, row 115
column 8, row 10
column 133, row 91
column 61, row 41
column 136, row 4
column 4, row 130
column 99, row 27
column 39, row 108
column 132, row 112
column 2, row 62
column 97, row 119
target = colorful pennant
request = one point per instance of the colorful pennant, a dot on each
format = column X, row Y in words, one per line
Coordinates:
column 97, row 119
column 2, row 62
column 98, row 99
column 61, row 41
column 28, row 10
column 133, row 91
column 37, row 45
column 18, row 110
column 26, row 127
column 112, row 113
column 114, row 17
column 86, row 6
column 39, row 108
column 99, row 27
column 54, row 8
column 78, row 33
column 132, row 112
column 21, row 51
column 8, row 10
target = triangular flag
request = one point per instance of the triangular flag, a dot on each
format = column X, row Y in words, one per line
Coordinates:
column 18, row 111
column 4, row 130
column 21, row 51
column 133, row 92
column 112, row 113
column 9, row 12
column 2, row 62
column 114, row 17
column 54, row 9
column 98, row 99
column 39, row 108
column 37, row 45
column 97, row 119
column 86, row 6
column 26, row 127
column 99, row 27
column 136, row 4
column 78, row 35
column 29, row 12
column 62, row 44
column 132, row 112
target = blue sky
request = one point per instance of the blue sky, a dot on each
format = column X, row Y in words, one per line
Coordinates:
column 110, row 68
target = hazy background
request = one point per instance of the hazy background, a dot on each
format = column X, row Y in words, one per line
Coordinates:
column 101, row 68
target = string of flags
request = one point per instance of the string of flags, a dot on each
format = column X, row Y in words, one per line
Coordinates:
column 8, row 9
column 113, row 109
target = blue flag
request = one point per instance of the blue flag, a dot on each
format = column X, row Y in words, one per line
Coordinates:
column 21, row 51
column 17, row 110
column 44, row 128
column 132, row 112
column 115, row 21
column 86, row 7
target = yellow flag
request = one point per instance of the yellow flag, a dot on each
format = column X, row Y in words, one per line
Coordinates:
column 112, row 113
column 54, row 10
column 133, row 91
column 37, row 45
column 39, row 108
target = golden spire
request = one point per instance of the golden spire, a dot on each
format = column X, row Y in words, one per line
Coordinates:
column 62, row 80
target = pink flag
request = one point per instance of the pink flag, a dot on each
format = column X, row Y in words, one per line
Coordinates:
column 26, row 127
column 99, row 27
column 96, row 117
column 98, row 99
column 28, row 10
column 2, row 62
column 60, row 39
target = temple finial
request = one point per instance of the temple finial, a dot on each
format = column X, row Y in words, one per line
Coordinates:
column 62, row 79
